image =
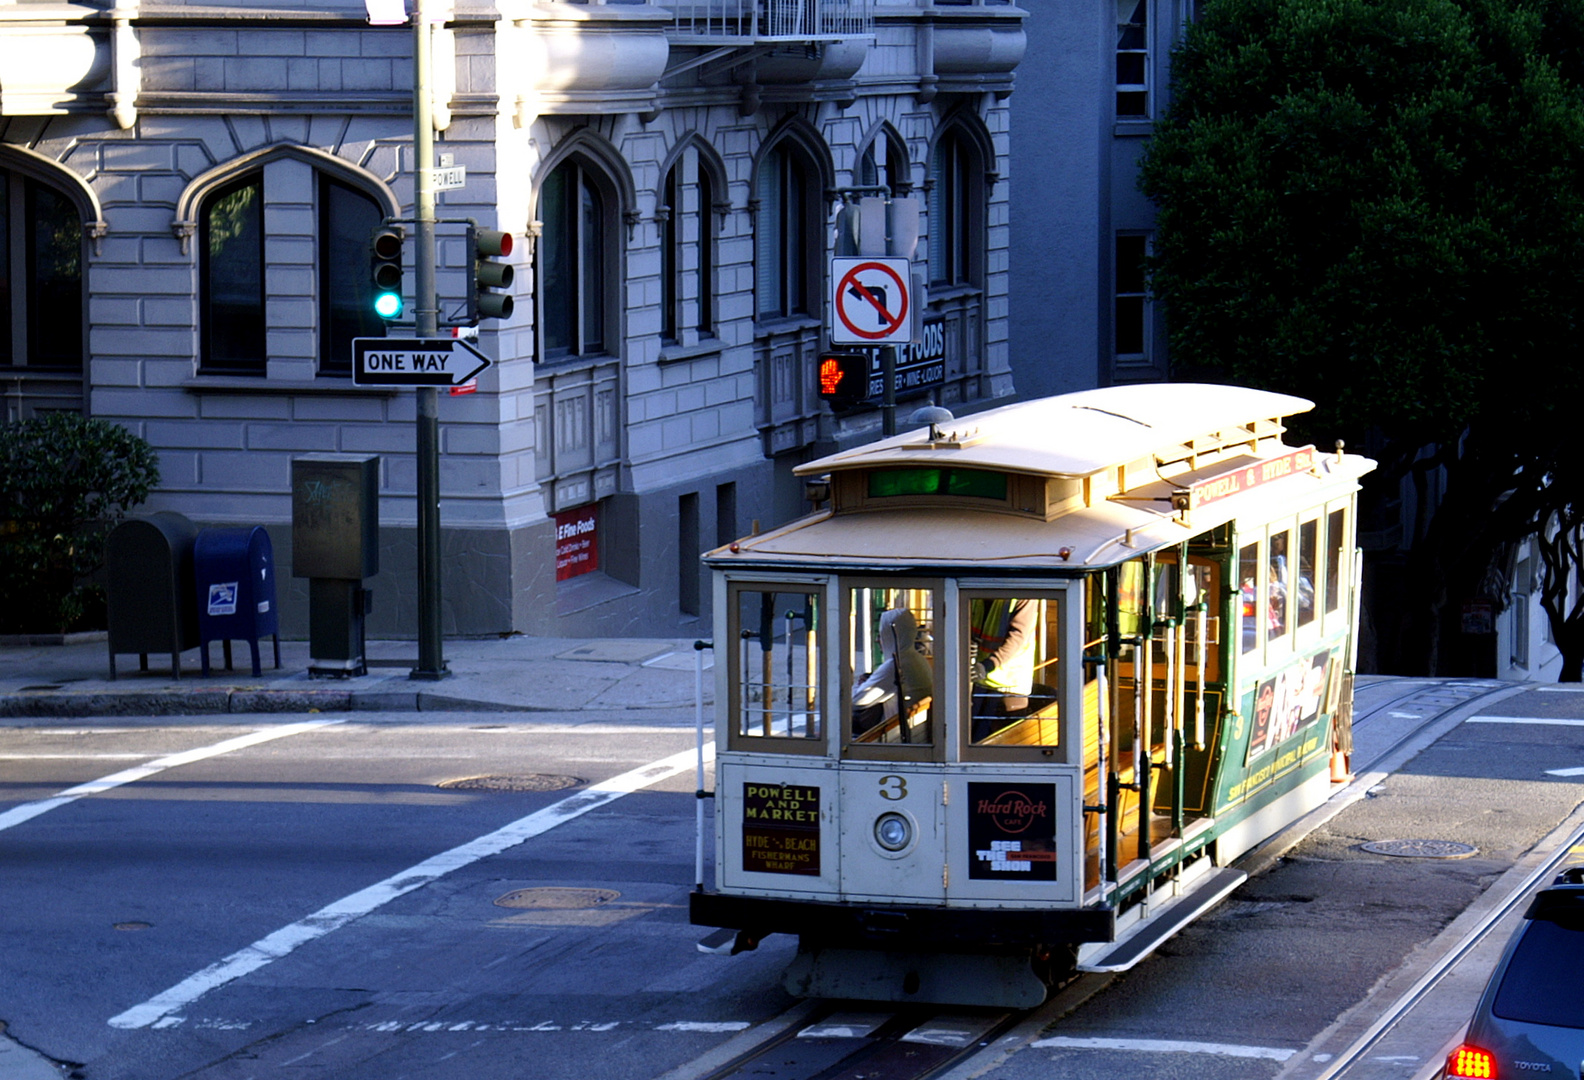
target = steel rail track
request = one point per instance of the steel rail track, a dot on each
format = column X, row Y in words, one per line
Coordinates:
column 885, row 1053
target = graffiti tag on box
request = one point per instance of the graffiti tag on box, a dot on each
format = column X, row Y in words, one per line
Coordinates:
column 781, row 829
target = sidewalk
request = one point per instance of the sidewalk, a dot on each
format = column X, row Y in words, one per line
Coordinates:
column 525, row 674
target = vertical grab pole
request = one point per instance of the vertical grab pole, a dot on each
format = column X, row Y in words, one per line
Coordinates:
column 1172, row 670
column 1202, row 627
column 699, row 795
column 1103, row 849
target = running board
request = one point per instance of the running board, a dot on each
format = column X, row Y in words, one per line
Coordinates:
column 1167, row 916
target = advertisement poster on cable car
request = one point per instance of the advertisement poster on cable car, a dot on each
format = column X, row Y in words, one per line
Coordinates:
column 1012, row 832
column 1288, row 702
column 781, row 829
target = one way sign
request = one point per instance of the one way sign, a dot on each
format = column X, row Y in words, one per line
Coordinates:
column 414, row 362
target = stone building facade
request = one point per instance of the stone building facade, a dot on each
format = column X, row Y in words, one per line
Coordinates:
column 187, row 192
column 1095, row 79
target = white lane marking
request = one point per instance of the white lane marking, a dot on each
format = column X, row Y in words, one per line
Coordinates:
column 336, row 915
column 75, row 757
column 848, row 1025
column 27, row 811
column 1577, row 770
column 951, row 1030
column 1405, row 715
column 1164, row 1046
column 1560, row 689
column 707, row 1026
column 1550, row 721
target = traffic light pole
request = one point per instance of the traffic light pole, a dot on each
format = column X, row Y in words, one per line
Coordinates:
column 431, row 663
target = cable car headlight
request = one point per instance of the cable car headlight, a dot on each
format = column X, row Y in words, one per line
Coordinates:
column 893, row 831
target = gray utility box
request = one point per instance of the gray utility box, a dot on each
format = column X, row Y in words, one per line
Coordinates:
column 235, row 574
column 335, row 545
column 152, row 606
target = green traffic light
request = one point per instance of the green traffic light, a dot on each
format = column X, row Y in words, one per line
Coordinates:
column 388, row 305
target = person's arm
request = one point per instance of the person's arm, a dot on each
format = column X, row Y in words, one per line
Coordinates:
column 1020, row 635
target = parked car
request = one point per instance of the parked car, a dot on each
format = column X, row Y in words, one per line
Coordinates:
column 1530, row 1020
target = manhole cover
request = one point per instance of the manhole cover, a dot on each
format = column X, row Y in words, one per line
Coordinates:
column 1420, row 849
column 525, row 782
column 551, row 897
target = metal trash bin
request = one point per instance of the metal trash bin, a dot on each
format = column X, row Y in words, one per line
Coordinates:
column 335, row 545
column 234, row 575
column 149, row 587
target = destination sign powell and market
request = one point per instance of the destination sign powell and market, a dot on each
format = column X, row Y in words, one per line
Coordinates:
column 415, row 362
column 1241, row 479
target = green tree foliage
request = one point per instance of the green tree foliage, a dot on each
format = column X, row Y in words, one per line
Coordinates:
column 1379, row 205
column 65, row 481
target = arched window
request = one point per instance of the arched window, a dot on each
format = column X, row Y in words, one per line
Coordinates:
column 687, row 278
column 885, row 165
column 347, row 218
column 788, row 241
column 41, row 275
column 573, row 253
column 294, row 314
column 231, row 278
column 956, row 210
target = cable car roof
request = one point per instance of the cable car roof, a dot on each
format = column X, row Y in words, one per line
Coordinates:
column 1075, row 435
column 1106, row 533
column 1215, row 455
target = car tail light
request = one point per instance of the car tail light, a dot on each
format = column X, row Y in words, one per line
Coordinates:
column 1470, row 1062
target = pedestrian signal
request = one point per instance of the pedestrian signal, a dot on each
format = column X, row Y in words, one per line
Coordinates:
column 843, row 380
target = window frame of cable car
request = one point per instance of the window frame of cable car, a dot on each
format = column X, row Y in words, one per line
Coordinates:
column 730, row 686
column 1306, row 634
column 1251, row 637
column 935, row 748
column 1068, row 684
column 1212, row 595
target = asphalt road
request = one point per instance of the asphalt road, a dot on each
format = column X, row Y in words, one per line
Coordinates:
column 116, row 898
column 317, row 905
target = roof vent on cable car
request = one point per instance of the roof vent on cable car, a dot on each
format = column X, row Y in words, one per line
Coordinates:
column 934, row 416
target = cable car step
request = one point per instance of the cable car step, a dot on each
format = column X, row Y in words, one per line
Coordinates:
column 1167, row 916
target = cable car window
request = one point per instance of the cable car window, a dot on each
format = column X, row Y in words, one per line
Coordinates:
column 1013, row 644
column 891, row 660
column 1308, row 543
column 1276, row 589
column 1333, row 572
column 775, row 675
column 1248, row 578
column 973, row 483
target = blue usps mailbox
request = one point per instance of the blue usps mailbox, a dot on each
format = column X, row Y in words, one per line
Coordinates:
column 234, row 570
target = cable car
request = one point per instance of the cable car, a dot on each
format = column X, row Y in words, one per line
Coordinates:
column 1018, row 693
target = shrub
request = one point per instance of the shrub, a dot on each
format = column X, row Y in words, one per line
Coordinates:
column 65, row 480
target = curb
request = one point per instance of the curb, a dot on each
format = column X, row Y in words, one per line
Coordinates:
column 62, row 706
